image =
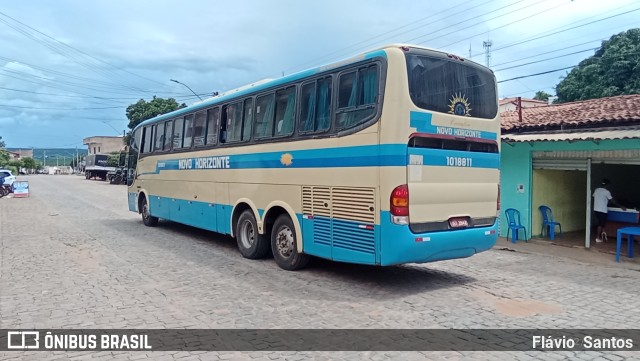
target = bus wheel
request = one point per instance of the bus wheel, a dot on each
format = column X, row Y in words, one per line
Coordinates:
column 251, row 244
column 284, row 245
column 147, row 218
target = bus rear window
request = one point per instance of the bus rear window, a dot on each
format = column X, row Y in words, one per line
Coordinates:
column 444, row 85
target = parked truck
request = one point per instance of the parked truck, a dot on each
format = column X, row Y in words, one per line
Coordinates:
column 97, row 166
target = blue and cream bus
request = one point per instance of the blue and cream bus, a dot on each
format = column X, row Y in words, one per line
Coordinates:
column 389, row 157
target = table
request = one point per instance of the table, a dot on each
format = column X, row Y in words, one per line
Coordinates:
column 630, row 232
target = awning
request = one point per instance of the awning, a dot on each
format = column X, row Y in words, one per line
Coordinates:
column 574, row 136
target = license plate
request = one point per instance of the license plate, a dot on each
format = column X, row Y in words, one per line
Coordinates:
column 459, row 222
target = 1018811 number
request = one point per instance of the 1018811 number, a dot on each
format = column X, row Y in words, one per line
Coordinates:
column 459, row 162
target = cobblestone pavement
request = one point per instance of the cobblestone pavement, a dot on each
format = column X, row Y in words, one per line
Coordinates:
column 73, row 256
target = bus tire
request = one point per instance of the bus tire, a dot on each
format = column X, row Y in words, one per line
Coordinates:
column 284, row 245
column 147, row 218
column 251, row 244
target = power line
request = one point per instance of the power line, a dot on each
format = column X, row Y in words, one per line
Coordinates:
column 547, row 59
column 505, row 25
column 184, row 96
column 353, row 46
column 62, row 51
column 91, row 108
column 474, row 24
column 561, row 31
column 547, row 52
column 81, row 52
column 536, row 74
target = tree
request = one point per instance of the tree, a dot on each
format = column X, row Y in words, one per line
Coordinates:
column 4, row 155
column 29, row 163
column 4, row 158
column 143, row 110
column 542, row 95
column 113, row 159
column 613, row 70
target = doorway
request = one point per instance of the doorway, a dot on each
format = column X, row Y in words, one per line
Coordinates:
column 564, row 191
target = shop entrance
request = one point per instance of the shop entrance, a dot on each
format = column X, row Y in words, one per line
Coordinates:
column 568, row 193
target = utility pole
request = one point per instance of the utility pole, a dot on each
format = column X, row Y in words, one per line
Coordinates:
column 487, row 52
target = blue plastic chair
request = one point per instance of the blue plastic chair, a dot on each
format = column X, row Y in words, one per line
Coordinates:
column 513, row 218
column 549, row 223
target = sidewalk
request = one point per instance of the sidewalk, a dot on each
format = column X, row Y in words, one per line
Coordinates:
column 576, row 253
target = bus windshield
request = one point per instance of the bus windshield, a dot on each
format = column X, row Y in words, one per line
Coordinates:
column 445, row 85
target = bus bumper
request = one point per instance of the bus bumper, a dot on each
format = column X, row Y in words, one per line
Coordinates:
column 399, row 245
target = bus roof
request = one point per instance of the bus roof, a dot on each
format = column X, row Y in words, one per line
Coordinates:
column 268, row 83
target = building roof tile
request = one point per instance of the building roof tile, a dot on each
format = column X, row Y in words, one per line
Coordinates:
column 618, row 110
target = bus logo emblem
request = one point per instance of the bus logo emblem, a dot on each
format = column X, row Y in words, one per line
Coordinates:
column 286, row 159
column 459, row 105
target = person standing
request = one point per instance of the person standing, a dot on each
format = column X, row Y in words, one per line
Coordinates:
column 601, row 199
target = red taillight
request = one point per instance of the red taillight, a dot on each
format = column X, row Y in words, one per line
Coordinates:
column 498, row 201
column 399, row 202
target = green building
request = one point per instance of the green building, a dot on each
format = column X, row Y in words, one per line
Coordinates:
column 557, row 155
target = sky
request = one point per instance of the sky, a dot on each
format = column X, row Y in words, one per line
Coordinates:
column 69, row 69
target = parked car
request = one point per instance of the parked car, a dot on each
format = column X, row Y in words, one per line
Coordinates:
column 9, row 178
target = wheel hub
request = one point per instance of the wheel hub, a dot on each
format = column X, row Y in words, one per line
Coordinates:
column 284, row 241
column 247, row 234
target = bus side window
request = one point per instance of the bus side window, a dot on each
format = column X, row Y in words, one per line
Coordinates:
column 188, row 131
column 285, row 111
column 247, row 120
column 168, row 129
column 159, row 136
column 213, row 117
column 199, row 129
column 315, row 114
column 151, row 141
column 146, row 139
column 178, row 127
column 264, row 116
column 224, row 123
column 357, row 96
column 233, row 122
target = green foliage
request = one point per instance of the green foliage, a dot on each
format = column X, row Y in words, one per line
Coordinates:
column 113, row 160
column 4, row 158
column 613, row 70
column 16, row 163
column 2, row 144
column 542, row 95
column 29, row 163
column 13, row 169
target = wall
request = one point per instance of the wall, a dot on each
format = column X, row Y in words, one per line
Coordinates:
column 515, row 165
column 106, row 144
column 516, row 169
column 565, row 193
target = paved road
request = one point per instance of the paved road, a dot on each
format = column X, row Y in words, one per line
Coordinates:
column 73, row 256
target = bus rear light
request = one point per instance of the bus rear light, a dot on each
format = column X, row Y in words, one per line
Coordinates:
column 399, row 205
column 498, row 200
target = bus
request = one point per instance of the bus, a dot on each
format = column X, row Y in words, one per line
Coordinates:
column 389, row 157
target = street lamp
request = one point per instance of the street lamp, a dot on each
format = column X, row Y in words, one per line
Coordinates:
column 194, row 93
